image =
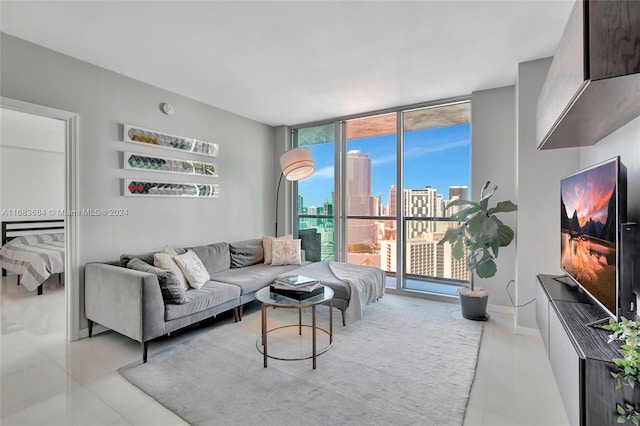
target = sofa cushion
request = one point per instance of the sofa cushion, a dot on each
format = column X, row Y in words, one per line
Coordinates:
column 172, row 291
column 193, row 269
column 214, row 257
column 286, row 252
column 211, row 294
column 246, row 253
column 252, row 278
column 145, row 257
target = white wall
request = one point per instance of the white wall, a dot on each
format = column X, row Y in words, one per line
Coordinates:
column 493, row 158
column 104, row 100
column 538, row 187
column 32, row 165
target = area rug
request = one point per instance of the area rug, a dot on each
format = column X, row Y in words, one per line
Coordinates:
column 409, row 361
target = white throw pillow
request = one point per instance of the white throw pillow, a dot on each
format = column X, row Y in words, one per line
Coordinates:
column 165, row 261
column 267, row 244
column 286, row 252
column 193, row 269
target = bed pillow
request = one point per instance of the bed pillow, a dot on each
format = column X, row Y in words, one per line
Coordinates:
column 267, row 243
column 193, row 269
column 172, row 291
column 165, row 261
column 286, row 252
column 246, row 253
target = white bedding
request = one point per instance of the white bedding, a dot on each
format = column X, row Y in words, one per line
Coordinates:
column 34, row 257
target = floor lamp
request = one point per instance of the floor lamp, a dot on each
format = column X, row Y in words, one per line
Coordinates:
column 296, row 164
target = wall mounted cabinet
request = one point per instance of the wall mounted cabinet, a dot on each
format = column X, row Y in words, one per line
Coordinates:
column 593, row 84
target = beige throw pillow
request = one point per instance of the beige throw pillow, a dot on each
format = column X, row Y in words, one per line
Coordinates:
column 286, row 252
column 266, row 246
column 165, row 261
column 193, row 269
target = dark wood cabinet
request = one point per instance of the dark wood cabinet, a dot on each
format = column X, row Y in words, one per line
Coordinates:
column 580, row 356
column 593, row 84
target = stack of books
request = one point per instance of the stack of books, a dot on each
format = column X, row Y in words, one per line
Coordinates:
column 297, row 286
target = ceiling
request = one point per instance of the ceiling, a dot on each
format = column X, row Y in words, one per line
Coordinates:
column 281, row 62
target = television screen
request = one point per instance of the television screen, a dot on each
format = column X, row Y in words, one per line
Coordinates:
column 590, row 216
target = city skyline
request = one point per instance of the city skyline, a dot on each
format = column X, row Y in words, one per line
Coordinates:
column 436, row 157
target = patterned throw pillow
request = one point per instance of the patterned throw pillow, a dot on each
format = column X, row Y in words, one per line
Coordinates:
column 165, row 261
column 193, row 269
column 267, row 244
column 286, row 252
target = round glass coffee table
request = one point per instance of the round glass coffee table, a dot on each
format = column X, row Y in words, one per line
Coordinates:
column 268, row 299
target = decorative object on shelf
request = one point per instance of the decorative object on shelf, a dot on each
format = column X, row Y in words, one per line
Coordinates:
column 628, row 372
column 171, row 165
column 167, row 108
column 134, row 187
column 296, row 164
column 137, row 134
column 479, row 236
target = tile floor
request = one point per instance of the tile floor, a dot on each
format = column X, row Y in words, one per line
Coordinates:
column 47, row 381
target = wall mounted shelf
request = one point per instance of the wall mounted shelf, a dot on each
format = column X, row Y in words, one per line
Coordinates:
column 146, row 188
column 155, row 163
column 140, row 135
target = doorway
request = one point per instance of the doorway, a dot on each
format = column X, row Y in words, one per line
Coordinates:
column 38, row 179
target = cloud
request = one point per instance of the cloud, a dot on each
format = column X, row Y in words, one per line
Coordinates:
column 322, row 173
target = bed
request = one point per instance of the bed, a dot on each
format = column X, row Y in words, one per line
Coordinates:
column 33, row 249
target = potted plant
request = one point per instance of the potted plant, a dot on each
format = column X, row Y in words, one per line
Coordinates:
column 479, row 236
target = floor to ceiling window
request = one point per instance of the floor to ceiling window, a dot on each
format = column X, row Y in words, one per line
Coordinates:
column 380, row 192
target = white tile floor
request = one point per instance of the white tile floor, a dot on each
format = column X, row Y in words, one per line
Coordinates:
column 47, row 381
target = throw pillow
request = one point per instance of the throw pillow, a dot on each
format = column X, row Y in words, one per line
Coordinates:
column 172, row 291
column 286, row 252
column 193, row 269
column 165, row 261
column 267, row 245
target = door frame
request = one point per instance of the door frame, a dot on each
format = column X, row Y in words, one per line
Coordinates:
column 71, row 259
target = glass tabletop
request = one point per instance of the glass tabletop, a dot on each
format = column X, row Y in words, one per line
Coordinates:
column 267, row 297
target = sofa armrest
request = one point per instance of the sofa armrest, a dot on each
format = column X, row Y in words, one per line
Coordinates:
column 127, row 301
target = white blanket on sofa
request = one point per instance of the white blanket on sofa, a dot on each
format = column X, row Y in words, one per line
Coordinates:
column 367, row 285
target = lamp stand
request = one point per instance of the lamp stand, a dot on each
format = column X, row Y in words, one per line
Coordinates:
column 277, row 202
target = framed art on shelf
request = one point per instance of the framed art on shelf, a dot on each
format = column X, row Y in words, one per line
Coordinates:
column 157, row 163
column 140, row 135
column 145, row 188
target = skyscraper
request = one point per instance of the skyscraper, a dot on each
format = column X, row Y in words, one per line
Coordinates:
column 359, row 199
column 458, row 193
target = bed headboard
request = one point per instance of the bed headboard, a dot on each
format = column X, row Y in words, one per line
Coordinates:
column 15, row 228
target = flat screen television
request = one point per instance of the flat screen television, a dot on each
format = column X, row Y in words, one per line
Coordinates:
column 592, row 208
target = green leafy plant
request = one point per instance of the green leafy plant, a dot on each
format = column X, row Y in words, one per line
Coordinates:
column 628, row 372
column 480, row 234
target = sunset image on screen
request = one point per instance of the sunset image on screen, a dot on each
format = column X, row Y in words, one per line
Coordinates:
column 589, row 229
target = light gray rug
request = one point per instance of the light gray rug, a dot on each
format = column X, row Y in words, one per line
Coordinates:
column 409, row 361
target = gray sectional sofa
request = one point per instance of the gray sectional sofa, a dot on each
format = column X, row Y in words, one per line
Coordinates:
column 136, row 299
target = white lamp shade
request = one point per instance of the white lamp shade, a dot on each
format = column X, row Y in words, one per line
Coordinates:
column 297, row 163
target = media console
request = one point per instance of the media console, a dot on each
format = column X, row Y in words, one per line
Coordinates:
column 579, row 355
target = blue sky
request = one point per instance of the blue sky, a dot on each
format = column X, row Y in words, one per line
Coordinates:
column 436, row 157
